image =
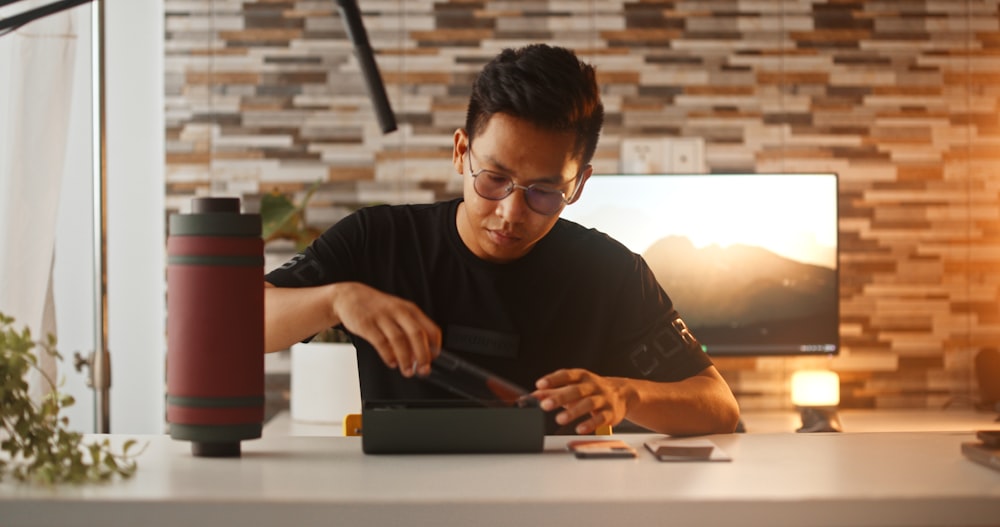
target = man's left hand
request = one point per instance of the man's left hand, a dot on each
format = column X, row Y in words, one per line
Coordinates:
column 579, row 393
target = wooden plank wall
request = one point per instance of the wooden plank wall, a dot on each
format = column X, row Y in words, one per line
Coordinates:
column 898, row 97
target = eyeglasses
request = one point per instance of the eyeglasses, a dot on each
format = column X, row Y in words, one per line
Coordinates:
column 543, row 199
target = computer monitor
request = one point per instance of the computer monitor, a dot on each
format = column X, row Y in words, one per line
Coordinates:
column 749, row 260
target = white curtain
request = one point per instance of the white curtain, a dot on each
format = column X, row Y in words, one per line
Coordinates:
column 36, row 83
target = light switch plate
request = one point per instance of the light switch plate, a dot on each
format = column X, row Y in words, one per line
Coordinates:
column 687, row 155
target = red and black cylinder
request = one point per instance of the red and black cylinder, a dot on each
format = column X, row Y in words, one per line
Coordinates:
column 215, row 327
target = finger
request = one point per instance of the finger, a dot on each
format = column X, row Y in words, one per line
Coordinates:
column 424, row 340
column 416, row 343
column 393, row 344
column 546, row 399
column 596, row 420
column 414, row 349
column 401, row 343
column 400, row 332
column 370, row 330
column 558, row 378
column 581, row 408
column 410, row 346
column 588, row 422
column 564, row 396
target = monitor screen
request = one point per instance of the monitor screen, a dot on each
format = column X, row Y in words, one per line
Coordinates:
column 749, row 260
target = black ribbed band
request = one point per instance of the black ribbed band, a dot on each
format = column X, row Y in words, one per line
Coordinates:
column 215, row 224
column 215, row 433
column 228, row 261
column 229, row 205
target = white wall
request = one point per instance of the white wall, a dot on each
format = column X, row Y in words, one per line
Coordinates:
column 135, row 244
column 136, row 252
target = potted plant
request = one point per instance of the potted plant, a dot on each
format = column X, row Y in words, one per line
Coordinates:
column 36, row 445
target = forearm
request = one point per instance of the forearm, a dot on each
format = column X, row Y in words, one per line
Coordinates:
column 702, row 404
column 293, row 314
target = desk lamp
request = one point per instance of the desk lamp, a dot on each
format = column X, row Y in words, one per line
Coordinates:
column 816, row 394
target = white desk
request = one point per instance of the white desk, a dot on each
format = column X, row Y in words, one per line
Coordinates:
column 774, row 479
column 897, row 420
column 757, row 422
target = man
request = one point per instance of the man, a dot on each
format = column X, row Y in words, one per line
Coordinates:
column 498, row 279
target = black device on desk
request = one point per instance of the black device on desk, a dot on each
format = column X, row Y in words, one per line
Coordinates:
column 495, row 415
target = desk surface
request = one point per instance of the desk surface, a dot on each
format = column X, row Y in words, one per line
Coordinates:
column 898, row 420
column 906, row 478
column 767, row 422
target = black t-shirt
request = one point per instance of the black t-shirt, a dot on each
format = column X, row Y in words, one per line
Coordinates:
column 578, row 299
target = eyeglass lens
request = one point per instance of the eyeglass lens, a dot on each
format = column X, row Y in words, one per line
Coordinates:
column 493, row 186
column 497, row 186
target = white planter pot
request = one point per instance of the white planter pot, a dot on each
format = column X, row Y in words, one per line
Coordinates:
column 324, row 382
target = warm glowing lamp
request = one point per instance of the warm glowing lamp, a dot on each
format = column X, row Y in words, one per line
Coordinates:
column 816, row 393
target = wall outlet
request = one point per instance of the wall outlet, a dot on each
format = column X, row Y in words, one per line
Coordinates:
column 643, row 156
column 662, row 155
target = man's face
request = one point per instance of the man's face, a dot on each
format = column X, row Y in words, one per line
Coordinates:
column 506, row 229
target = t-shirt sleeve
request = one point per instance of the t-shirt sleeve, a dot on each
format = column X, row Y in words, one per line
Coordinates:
column 655, row 343
column 330, row 258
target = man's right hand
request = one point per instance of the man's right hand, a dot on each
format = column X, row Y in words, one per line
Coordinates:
column 400, row 332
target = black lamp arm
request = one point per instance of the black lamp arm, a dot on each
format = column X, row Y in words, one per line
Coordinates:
column 352, row 21
column 10, row 24
column 366, row 59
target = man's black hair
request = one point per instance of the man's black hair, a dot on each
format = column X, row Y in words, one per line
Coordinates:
column 544, row 85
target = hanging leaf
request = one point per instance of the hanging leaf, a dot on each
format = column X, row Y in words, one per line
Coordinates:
column 36, row 446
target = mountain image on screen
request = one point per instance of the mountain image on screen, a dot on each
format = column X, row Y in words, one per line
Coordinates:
column 741, row 294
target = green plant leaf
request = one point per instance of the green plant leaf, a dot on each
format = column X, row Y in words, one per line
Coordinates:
column 275, row 212
column 36, row 443
column 282, row 218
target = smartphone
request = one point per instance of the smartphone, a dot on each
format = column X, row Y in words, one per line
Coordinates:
column 600, row 448
column 668, row 449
